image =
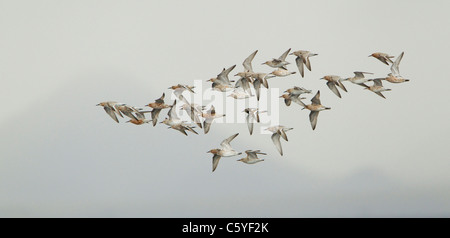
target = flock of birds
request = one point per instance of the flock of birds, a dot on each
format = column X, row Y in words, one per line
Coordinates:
column 241, row 90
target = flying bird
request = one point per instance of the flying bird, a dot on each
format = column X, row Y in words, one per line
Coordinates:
column 297, row 90
column 225, row 151
column 277, row 132
column 260, row 79
column 110, row 109
column 358, row 79
column 252, row 115
column 394, row 76
column 282, row 72
column 127, row 110
column 209, row 116
column 383, row 57
column 303, row 59
column 139, row 119
column 246, row 76
column 288, row 98
column 222, row 82
column 332, row 82
column 174, row 122
column 280, row 62
column 195, row 112
column 377, row 87
column 179, row 89
column 252, row 157
column 157, row 106
column 315, row 107
column 239, row 93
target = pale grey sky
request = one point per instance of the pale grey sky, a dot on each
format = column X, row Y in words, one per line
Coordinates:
column 61, row 156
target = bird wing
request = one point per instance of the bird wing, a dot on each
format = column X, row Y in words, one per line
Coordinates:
column 172, row 113
column 194, row 115
column 299, row 62
column 316, row 99
column 155, row 114
column 298, row 101
column 207, row 124
column 360, row 74
column 226, row 143
column 341, row 85
column 249, row 123
column 380, row 94
column 215, row 162
column 377, row 82
column 189, row 129
column 111, row 113
column 283, row 134
column 252, row 154
column 307, row 63
column 223, row 76
column 313, row 118
column 287, row 101
column 189, row 88
column 332, row 87
column 161, row 99
column 276, row 140
column 395, row 66
column 284, row 55
column 245, row 84
column 257, row 86
column 248, row 62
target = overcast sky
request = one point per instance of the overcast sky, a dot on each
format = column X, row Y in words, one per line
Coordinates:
column 61, row 156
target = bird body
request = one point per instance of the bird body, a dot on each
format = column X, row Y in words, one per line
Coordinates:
column 225, row 151
column 281, row 72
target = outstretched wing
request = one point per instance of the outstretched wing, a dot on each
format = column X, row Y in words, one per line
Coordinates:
column 248, row 62
column 276, row 140
column 161, row 99
column 332, row 87
column 313, row 118
column 395, row 66
column 316, row 99
column 299, row 62
column 284, row 55
column 215, row 162
column 111, row 113
column 226, row 143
